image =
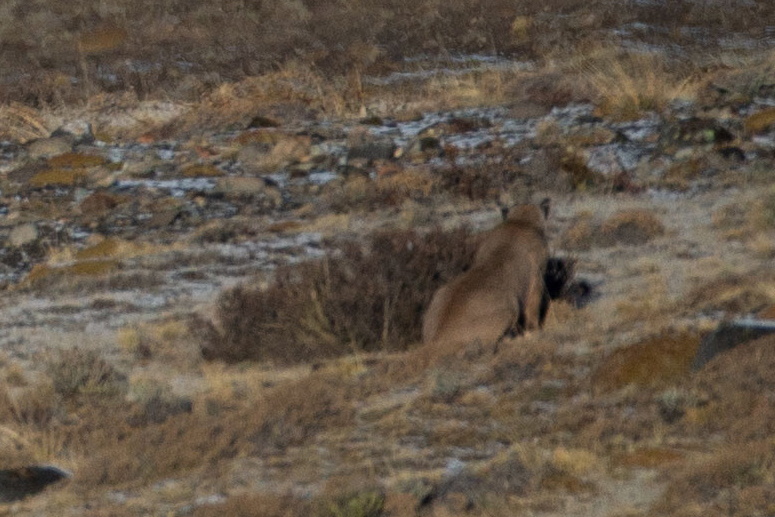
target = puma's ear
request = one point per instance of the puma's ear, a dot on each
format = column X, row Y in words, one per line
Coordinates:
column 545, row 204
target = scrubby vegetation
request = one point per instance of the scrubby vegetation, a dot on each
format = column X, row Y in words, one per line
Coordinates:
column 188, row 48
column 365, row 298
column 187, row 351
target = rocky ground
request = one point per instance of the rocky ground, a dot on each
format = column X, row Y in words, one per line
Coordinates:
column 114, row 237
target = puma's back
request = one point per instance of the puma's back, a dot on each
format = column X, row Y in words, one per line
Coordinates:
column 503, row 289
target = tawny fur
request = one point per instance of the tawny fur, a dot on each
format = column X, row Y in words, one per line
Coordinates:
column 503, row 288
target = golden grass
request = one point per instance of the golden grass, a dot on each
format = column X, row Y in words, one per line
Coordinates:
column 101, row 39
column 207, row 171
column 733, row 293
column 59, row 178
column 75, row 161
column 625, row 85
column 40, row 272
column 631, row 227
column 22, row 123
column 759, row 121
column 649, row 457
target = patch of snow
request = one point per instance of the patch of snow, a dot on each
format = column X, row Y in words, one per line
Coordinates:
column 176, row 187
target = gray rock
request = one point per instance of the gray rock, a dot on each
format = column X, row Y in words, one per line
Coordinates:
column 730, row 334
column 16, row 484
column 79, row 130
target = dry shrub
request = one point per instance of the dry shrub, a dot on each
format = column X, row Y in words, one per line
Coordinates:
column 626, row 84
column 362, row 298
column 34, row 406
column 656, row 361
column 77, row 371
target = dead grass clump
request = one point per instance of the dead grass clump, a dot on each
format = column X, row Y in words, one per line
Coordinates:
column 627, row 84
column 35, row 406
column 630, row 227
column 76, row 371
column 364, row 298
column 657, row 361
column 479, row 182
column 22, row 123
column 389, row 190
column 734, row 294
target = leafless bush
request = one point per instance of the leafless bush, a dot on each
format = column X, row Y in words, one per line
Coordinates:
column 363, row 298
column 79, row 371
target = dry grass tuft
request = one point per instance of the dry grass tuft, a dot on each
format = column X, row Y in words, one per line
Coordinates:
column 734, row 294
column 627, row 84
column 35, row 406
column 657, row 361
column 367, row 298
column 77, row 371
column 630, row 227
column 22, row 123
column 627, row 227
column 389, row 190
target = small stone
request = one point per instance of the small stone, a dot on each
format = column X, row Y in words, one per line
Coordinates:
column 23, row 234
column 239, row 186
